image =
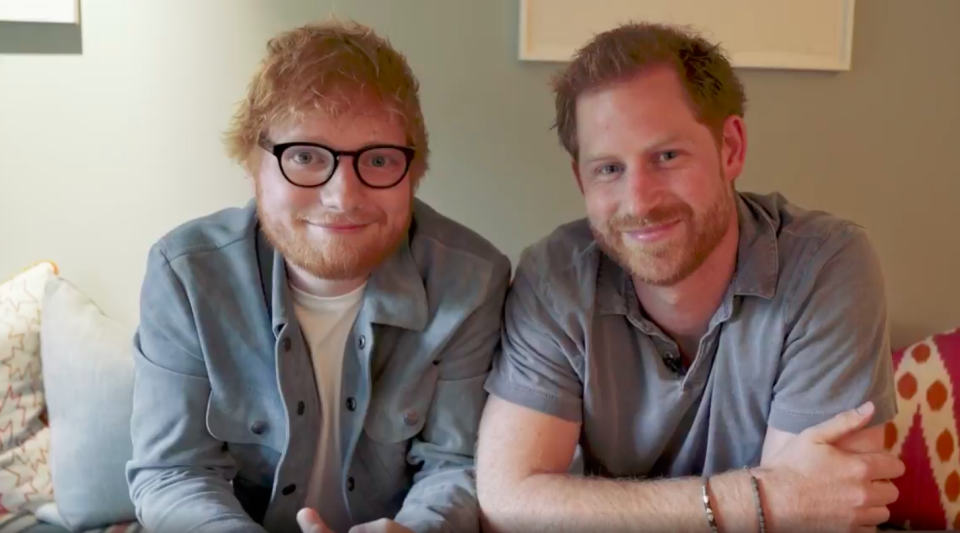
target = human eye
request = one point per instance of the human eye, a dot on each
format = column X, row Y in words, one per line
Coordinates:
column 665, row 156
column 383, row 159
column 607, row 171
column 308, row 156
column 380, row 161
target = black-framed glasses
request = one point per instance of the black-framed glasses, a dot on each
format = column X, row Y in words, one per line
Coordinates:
column 310, row 165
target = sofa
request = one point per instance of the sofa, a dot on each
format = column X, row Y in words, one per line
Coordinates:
column 66, row 375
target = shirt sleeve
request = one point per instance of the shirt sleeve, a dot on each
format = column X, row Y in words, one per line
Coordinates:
column 179, row 475
column 535, row 368
column 837, row 352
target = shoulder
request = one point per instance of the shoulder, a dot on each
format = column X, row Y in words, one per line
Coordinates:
column 800, row 229
column 568, row 253
column 560, row 270
column 808, row 239
column 439, row 241
column 209, row 233
column 819, row 251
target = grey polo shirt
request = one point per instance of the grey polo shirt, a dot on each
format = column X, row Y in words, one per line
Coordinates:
column 801, row 335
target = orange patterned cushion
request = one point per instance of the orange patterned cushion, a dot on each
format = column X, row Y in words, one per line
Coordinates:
column 24, row 437
column 925, row 434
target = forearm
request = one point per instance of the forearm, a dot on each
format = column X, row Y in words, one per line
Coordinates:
column 175, row 501
column 562, row 503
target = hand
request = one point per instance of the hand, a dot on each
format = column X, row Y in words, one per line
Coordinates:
column 814, row 484
column 310, row 522
column 380, row 526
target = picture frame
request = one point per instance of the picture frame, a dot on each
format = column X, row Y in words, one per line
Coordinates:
column 40, row 11
column 756, row 34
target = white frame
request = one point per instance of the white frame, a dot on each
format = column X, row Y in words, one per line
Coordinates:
column 759, row 59
column 42, row 11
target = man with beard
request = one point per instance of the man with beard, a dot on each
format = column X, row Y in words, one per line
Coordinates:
column 685, row 330
column 316, row 360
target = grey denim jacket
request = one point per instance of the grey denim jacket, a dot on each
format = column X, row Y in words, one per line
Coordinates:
column 226, row 412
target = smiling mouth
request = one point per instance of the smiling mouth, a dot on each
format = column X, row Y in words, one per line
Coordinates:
column 338, row 227
column 653, row 232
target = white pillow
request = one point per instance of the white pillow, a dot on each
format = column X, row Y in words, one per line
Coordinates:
column 24, row 437
column 88, row 371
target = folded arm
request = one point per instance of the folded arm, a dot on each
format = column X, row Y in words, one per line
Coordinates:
column 523, row 485
column 443, row 496
column 179, row 475
column 837, row 349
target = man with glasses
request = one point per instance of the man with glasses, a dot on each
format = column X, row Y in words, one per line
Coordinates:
column 316, row 360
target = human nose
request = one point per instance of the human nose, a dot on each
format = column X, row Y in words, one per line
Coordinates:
column 644, row 189
column 343, row 191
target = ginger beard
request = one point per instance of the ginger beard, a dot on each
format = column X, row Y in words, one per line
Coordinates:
column 669, row 262
column 332, row 257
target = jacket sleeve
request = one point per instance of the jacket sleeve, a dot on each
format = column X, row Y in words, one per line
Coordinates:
column 179, row 476
column 444, row 497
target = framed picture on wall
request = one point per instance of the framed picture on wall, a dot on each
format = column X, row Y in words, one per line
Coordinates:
column 44, row 11
column 806, row 35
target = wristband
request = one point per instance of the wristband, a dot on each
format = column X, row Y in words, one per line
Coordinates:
column 756, row 500
column 707, row 509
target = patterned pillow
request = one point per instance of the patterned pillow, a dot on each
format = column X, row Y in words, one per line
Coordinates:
column 25, row 482
column 925, row 434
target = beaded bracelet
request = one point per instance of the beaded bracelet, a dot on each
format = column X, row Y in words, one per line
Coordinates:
column 707, row 509
column 756, row 500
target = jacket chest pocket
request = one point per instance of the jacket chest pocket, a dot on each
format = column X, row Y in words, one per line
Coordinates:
column 254, row 430
column 399, row 410
column 395, row 416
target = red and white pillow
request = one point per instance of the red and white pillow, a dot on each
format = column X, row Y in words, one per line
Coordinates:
column 25, row 482
column 925, row 434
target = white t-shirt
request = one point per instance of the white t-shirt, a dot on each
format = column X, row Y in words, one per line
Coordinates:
column 326, row 325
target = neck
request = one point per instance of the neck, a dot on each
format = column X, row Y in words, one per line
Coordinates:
column 317, row 286
column 683, row 310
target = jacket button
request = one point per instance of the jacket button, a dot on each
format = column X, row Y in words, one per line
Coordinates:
column 258, row 427
column 286, row 344
column 301, row 407
column 350, row 484
column 362, row 342
column 410, row 418
column 351, row 404
column 289, row 489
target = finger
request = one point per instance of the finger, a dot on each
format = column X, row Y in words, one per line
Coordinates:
column 882, row 466
column 872, row 516
column 841, row 425
column 310, row 522
column 370, row 527
column 863, row 441
column 881, row 493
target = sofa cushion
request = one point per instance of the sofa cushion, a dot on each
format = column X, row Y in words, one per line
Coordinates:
column 24, row 437
column 925, row 434
column 88, row 372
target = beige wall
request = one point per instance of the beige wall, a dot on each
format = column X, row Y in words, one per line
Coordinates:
column 102, row 152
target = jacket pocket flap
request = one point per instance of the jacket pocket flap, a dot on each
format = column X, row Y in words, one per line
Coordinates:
column 247, row 419
column 398, row 415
